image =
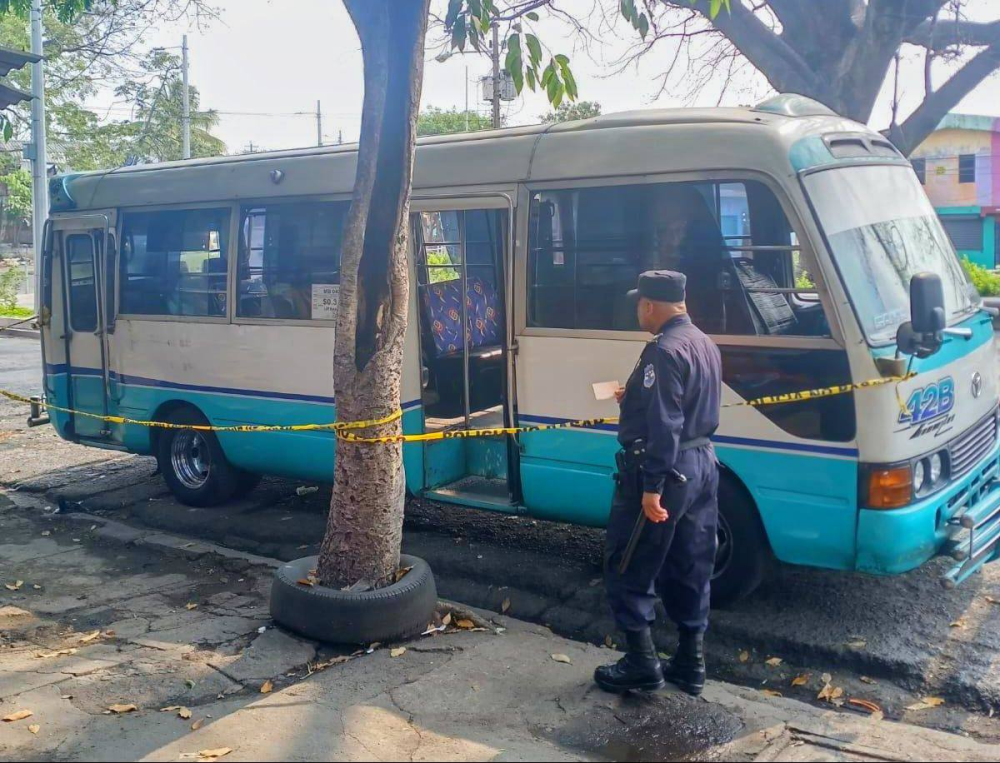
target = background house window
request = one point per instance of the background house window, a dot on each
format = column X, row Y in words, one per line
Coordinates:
column 967, row 168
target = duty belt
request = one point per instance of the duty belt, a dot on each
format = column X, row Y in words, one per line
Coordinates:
column 630, row 457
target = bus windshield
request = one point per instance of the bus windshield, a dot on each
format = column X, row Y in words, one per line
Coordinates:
column 882, row 230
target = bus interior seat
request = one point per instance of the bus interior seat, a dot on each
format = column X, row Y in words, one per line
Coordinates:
column 443, row 309
column 771, row 311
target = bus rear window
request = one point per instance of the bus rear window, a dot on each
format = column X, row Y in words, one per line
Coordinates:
column 174, row 263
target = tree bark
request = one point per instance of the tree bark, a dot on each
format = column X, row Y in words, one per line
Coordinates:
column 365, row 525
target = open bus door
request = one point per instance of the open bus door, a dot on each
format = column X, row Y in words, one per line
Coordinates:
column 74, row 330
column 461, row 250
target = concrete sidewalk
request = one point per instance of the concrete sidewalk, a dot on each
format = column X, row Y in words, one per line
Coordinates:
column 132, row 645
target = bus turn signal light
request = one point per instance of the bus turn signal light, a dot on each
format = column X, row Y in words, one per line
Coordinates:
column 890, row 488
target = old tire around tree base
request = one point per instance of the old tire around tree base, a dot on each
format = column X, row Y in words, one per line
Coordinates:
column 394, row 613
column 744, row 556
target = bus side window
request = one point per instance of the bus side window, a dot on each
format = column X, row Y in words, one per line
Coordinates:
column 82, row 289
column 587, row 247
column 289, row 260
column 175, row 263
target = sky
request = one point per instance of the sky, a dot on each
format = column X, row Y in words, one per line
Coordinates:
column 264, row 64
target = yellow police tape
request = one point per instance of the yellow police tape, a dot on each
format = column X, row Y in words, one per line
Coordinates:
column 342, row 427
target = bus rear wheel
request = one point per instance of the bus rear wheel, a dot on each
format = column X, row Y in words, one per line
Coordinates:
column 743, row 557
column 194, row 465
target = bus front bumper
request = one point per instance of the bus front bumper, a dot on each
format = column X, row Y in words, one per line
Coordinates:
column 961, row 522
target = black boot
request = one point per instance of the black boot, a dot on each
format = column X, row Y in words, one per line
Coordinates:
column 638, row 670
column 686, row 669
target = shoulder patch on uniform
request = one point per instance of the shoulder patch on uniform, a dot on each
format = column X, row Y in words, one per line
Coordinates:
column 649, row 376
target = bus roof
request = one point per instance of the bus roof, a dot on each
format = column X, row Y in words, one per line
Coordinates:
column 633, row 143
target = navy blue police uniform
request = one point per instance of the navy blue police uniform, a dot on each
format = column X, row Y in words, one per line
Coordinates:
column 670, row 408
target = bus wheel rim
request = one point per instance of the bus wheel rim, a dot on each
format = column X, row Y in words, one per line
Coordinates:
column 189, row 457
column 724, row 552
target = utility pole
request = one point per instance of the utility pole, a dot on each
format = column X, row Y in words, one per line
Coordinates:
column 39, row 152
column 496, row 76
column 467, row 98
column 187, row 99
column 319, row 124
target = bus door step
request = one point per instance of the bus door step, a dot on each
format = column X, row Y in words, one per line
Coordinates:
column 979, row 536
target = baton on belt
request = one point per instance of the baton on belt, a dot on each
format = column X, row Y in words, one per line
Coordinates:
column 640, row 525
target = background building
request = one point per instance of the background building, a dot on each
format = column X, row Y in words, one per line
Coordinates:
column 959, row 166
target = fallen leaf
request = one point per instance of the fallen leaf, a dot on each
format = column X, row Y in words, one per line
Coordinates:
column 773, row 662
column 959, row 623
column 37, row 587
column 14, row 586
column 505, row 606
column 466, row 625
column 991, row 600
column 221, row 752
column 859, row 644
column 826, row 678
column 400, row 574
column 770, row 693
column 267, row 688
column 446, row 620
column 90, row 637
column 34, row 728
column 926, row 703
column 171, row 709
column 60, row 653
column 306, row 582
column 190, row 606
column 830, row 693
column 867, row 680
column 122, row 709
column 864, row 704
column 197, row 724
column 562, row 658
column 189, row 683
column 398, row 652
column 20, row 715
column 744, row 656
column 184, row 714
column 800, row 680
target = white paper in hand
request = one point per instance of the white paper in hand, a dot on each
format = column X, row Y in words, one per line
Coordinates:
column 606, row 390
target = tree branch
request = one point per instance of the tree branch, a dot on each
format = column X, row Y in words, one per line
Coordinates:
column 785, row 69
column 942, row 34
column 929, row 114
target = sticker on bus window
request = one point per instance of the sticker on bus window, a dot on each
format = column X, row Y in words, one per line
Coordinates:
column 325, row 297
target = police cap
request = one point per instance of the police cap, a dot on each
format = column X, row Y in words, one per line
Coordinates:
column 660, row 286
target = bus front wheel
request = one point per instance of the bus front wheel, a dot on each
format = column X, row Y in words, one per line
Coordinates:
column 194, row 465
column 744, row 555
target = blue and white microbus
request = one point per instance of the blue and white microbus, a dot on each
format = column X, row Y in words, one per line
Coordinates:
column 205, row 291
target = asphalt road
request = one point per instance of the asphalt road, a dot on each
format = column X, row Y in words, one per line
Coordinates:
column 892, row 640
column 20, row 365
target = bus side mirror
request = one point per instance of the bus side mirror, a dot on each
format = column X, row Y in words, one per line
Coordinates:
column 923, row 335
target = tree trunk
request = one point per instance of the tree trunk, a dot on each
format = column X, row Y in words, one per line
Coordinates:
column 365, row 527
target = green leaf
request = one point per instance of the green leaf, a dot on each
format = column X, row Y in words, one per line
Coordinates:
column 454, row 8
column 534, row 48
column 561, row 59
column 547, row 75
column 531, row 77
column 558, row 97
column 459, row 33
column 475, row 37
column 8, row 130
column 715, row 7
column 514, row 43
column 531, row 15
column 476, row 7
column 643, row 26
column 571, row 89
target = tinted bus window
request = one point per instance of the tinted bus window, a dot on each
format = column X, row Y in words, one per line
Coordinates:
column 82, row 290
column 587, row 247
column 174, row 263
column 289, row 260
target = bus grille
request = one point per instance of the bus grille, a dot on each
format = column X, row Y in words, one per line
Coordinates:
column 968, row 449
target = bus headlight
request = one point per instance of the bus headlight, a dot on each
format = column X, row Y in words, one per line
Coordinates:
column 936, row 468
column 919, row 473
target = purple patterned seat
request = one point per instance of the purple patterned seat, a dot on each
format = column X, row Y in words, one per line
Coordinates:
column 443, row 302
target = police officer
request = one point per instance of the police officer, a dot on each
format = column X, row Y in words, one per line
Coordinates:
column 669, row 475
